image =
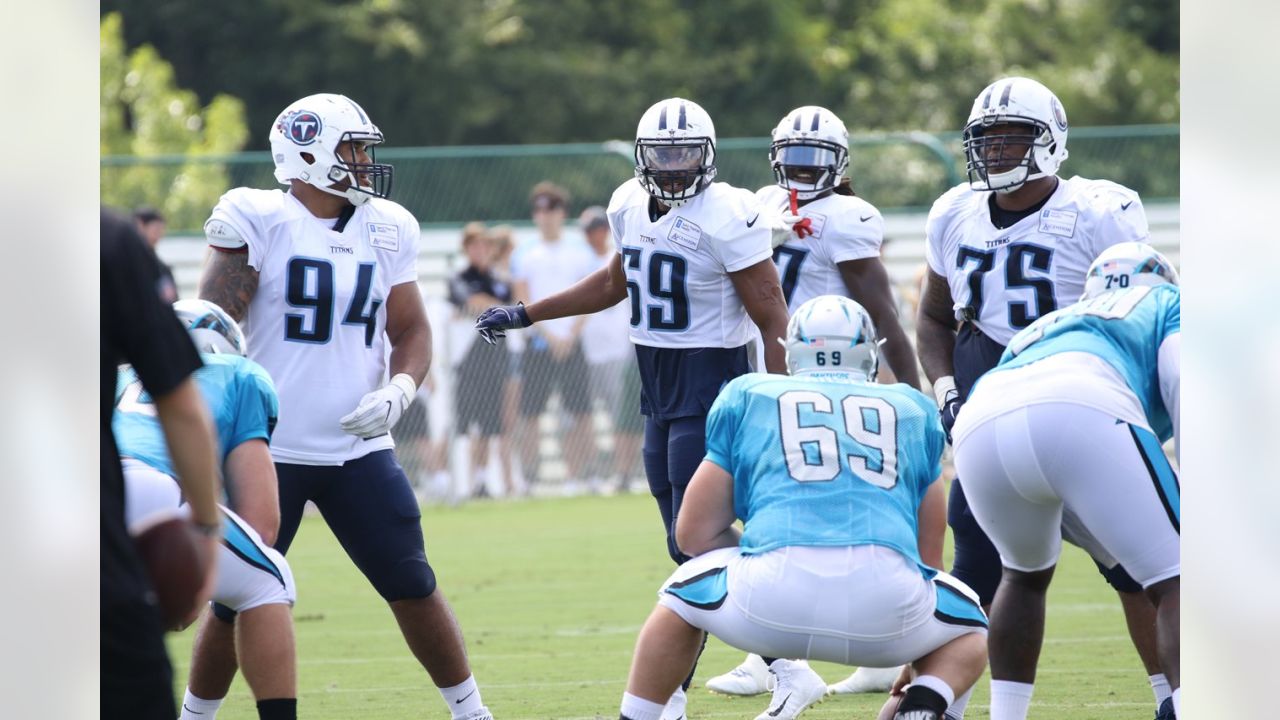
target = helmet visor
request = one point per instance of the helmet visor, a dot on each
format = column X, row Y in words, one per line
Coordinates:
column 673, row 157
column 806, row 156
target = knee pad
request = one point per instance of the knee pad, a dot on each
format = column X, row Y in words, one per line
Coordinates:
column 406, row 581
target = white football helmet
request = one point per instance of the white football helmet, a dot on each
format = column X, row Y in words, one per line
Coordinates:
column 675, row 151
column 211, row 328
column 831, row 332
column 1128, row 264
column 810, row 151
column 304, row 146
column 1020, row 101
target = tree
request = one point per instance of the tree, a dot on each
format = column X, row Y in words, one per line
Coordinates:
column 144, row 114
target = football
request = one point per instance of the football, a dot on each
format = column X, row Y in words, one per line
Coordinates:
column 176, row 561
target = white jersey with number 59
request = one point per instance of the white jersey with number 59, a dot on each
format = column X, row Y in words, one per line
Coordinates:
column 317, row 321
column 1007, row 278
column 678, row 266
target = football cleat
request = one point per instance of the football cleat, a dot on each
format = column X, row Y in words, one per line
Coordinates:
column 1166, row 710
column 752, row 677
column 797, row 688
column 481, row 714
column 866, row 680
column 674, row 709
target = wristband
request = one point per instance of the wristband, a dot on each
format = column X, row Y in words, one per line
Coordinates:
column 406, row 384
column 944, row 389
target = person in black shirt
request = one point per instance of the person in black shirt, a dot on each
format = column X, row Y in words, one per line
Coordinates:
column 481, row 371
column 139, row 327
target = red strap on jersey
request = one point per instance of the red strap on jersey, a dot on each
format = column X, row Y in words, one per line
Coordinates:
column 803, row 228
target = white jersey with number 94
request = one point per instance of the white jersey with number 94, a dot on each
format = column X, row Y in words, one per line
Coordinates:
column 318, row 319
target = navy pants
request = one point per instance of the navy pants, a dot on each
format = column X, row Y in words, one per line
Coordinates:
column 673, row 449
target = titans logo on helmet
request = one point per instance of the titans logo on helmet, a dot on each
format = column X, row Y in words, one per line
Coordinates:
column 303, row 127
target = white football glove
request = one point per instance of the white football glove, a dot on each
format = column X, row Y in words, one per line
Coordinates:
column 788, row 224
column 379, row 410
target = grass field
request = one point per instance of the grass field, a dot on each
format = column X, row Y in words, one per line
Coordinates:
column 551, row 594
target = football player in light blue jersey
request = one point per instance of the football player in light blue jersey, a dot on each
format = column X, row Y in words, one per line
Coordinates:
column 252, row 578
column 833, row 477
column 1072, row 421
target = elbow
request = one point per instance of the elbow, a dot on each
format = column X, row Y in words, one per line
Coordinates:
column 688, row 540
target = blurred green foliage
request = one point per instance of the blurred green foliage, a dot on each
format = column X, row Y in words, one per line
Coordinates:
column 144, row 114
column 442, row 72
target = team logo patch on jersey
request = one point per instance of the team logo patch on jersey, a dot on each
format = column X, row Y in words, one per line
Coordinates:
column 817, row 222
column 685, row 234
column 384, row 236
column 1058, row 222
column 303, row 127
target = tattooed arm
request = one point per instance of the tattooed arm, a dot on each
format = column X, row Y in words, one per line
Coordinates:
column 229, row 282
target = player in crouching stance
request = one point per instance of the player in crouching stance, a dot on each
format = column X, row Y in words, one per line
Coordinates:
column 252, row 578
column 1072, row 420
column 831, row 475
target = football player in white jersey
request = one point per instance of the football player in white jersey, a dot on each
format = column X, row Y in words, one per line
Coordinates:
column 323, row 278
column 1072, row 419
column 831, row 247
column 1005, row 248
column 694, row 256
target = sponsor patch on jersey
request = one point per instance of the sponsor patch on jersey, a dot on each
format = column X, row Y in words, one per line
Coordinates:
column 384, row 236
column 686, row 234
column 1058, row 222
column 817, row 222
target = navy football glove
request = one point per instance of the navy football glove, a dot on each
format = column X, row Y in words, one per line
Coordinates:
column 496, row 321
column 949, row 402
column 948, row 413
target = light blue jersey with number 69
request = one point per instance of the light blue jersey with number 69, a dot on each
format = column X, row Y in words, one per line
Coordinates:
column 1124, row 327
column 820, row 459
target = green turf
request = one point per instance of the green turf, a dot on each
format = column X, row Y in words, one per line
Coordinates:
column 550, row 595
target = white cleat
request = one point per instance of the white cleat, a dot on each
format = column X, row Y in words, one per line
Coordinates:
column 674, row 709
column 866, row 680
column 797, row 688
column 752, row 677
column 481, row 714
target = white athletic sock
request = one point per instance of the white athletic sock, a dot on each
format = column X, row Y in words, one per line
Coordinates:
column 1010, row 700
column 1177, row 703
column 480, row 480
column 955, row 711
column 1159, row 686
column 194, row 708
column 463, row 698
column 938, row 685
column 637, row 708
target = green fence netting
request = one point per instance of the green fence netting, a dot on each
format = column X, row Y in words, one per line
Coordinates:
column 454, row 185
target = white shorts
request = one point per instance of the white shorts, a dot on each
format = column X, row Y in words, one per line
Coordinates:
column 862, row 605
column 1022, row 467
column 250, row 573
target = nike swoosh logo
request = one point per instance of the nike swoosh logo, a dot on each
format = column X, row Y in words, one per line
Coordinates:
column 460, row 700
column 1126, row 205
column 187, row 709
column 778, row 711
column 753, row 220
column 864, row 219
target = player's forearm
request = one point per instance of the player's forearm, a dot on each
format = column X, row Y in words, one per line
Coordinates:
column 935, row 342
column 897, row 350
column 775, row 355
column 411, row 352
column 189, row 433
column 597, row 291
